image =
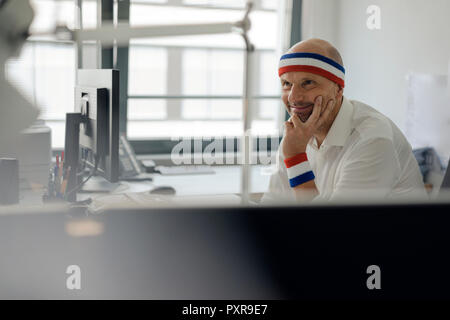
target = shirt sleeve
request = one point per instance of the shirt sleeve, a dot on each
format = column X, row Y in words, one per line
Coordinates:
column 370, row 170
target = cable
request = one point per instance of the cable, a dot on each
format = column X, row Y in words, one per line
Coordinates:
column 94, row 170
column 84, row 157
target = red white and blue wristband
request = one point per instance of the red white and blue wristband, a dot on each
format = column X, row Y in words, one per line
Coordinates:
column 298, row 169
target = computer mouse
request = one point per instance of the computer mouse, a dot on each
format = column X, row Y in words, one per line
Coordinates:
column 163, row 190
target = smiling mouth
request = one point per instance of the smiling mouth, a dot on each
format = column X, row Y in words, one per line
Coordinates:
column 302, row 112
column 301, row 109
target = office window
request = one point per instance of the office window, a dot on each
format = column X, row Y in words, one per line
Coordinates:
column 148, row 70
column 212, row 72
column 45, row 70
column 178, row 86
column 263, row 4
column 195, row 83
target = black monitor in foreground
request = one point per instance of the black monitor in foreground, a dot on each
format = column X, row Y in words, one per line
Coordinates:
column 92, row 131
column 326, row 252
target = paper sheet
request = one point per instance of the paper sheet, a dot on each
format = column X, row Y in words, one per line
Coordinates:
column 428, row 113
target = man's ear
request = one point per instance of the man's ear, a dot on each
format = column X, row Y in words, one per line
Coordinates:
column 339, row 91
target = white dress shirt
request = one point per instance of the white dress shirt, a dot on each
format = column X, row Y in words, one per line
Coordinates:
column 364, row 155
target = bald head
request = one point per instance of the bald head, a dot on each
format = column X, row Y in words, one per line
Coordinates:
column 305, row 77
column 318, row 46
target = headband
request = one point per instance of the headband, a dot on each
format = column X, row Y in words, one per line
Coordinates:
column 312, row 63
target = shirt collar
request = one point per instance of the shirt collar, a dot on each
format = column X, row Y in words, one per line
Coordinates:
column 341, row 128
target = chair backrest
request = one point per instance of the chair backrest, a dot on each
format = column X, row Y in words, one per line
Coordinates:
column 446, row 182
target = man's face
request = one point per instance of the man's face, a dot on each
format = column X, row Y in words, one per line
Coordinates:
column 300, row 89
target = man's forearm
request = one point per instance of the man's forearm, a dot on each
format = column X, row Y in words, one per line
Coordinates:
column 306, row 191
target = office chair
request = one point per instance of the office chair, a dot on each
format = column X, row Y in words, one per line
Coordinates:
column 446, row 182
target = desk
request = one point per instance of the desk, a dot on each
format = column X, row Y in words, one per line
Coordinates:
column 225, row 180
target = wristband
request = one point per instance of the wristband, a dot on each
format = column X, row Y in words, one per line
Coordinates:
column 298, row 169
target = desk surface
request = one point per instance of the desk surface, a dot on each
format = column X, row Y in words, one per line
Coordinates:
column 225, row 180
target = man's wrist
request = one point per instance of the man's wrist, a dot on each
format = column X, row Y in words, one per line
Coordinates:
column 295, row 159
column 298, row 169
column 294, row 153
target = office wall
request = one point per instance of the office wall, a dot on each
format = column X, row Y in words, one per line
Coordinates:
column 414, row 37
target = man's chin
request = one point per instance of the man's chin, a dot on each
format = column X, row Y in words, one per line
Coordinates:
column 302, row 116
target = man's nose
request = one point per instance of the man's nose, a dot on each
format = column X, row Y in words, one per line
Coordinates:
column 296, row 95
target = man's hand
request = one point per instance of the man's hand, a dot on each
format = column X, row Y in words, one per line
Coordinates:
column 297, row 134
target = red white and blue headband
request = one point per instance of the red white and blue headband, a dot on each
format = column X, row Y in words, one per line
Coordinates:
column 312, row 63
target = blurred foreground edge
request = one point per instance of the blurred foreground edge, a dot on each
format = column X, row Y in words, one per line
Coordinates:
column 312, row 252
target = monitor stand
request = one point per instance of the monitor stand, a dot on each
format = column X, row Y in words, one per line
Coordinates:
column 71, row 151
column 98, row 184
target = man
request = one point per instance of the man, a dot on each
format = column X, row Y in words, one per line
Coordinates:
column 333, row 147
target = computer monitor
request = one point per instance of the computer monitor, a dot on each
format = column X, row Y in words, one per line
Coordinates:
column 317, row 252
column 92, row 131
